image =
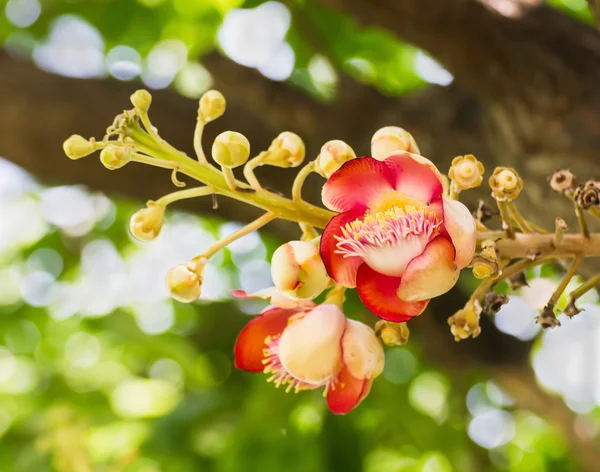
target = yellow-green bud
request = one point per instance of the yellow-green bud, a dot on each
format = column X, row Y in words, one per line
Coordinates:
column 505, row 183
column 141, row 99
column 392, row 334
column 212, row 106
column 333, row 155
column 465, row 323
column 115, row 157
column 286, row 150
column 145, row 224
column 298, row 270
column 392, row 140
column 231, row 149
column 184, row 282
column 77, row 147
column 466, row 172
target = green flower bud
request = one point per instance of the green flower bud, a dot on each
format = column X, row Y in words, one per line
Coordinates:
column 145, row 224
column 141, row 99
column 231, row 149
column 212, row 105
column 77, row 147
column 286, row 150
column 115, row 157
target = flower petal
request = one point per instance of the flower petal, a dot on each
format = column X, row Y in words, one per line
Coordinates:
column 249, row 345
column 355, row 184
column 378, row 293
column 310, row 349
column 347, row 393
column 341, row 269
column 460, row 225
column 431, row 274
column 362, row 351
column 415, row 176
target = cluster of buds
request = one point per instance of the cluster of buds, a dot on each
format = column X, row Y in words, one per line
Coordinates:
column 485, row 264
column 506, row 184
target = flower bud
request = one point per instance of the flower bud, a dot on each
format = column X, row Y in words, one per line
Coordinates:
column 505, row 183
column 141, row 99
column 145, row 224
column 465, row 323
column 77, row 147
column 231, row 149
column 391, row 140
column 493, row 302
column 466, row 172
column 298, row 270
column 563, row 180
column 547, row 319
column 286, row 150
column 483, row 268
column 184, row 282
column 332, row 156
column 587, row 195
column 392, row 334
column 212, row 105
column 115, row 157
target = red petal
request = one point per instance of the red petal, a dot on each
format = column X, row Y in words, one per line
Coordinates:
column 378, row 293
column 415, row 176
column 356, row 184
column 431, row 274
column 249, row 345
column 348, row 393
column 341, row 269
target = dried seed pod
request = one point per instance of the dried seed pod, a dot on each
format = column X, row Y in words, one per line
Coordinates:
column 517, row 281
column 587, row 195
column 563, row 180
column 493, row 302
column 485, row 212
column 547, row 319
column 571, row 310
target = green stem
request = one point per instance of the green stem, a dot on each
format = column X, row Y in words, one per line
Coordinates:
column 585, row 287
column 581, row 218
column 521, row 222
column 566, row 279
column 183, row 194
column 299, row 181
column 506, row 220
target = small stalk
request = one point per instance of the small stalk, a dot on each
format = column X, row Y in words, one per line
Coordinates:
column 523, row 224
column 184, row 194
column 300, row 179
column 584, row 287
column 308, row 232
column 249, row 171
column 198, row 139
column 249, row 228
column 506, row 221
column 559, row 232
column 336, row 296
column 582, row 222
column 453, row 191
column 566, row 279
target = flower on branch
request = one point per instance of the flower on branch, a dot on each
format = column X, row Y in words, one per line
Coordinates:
column 397, row 239
column 305, row 349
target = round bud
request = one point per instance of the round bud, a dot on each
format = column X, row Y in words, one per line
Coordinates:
column 505, row 183
column 392, row 334
column 298, row 270
column 184, row 283
column 141, row 99
column 466, row 172
column 212, row 106
column 286, row 150
column 145, row 224
column 115, row 157
column 77, row 147
column 392, row 140
column 333, row 155
column 231, row 149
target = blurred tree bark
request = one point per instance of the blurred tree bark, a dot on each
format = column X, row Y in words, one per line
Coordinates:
column 526, row 95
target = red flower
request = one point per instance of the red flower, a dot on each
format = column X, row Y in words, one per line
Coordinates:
column 308, row 348
column 396, row 239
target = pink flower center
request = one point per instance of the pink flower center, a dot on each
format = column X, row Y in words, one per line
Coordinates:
column 388, row 240
column 281, row 376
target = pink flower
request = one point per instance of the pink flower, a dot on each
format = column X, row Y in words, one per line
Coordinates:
column 396, row 239
column 308, row 348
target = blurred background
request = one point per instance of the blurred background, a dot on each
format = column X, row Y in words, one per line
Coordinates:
column 101, row 371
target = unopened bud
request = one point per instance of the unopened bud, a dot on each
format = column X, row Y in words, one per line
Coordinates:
column 145, row 224
column 77, row 147
column 184, row 282
column 231, row 149
column 465, row 323
column 212, row 106
column 392, row 334
column 392, row 140
column 332, row 156
column 286, row 150
column 141, row 99
column 466, row 172
column 563, row 180
column 505, row 183
column 547, row 319
column 115, row 157
column 493, row 302
column 587, row 195
column 298, row 270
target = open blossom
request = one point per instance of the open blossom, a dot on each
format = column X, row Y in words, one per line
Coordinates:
column 308, row 348
column 396, row 239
